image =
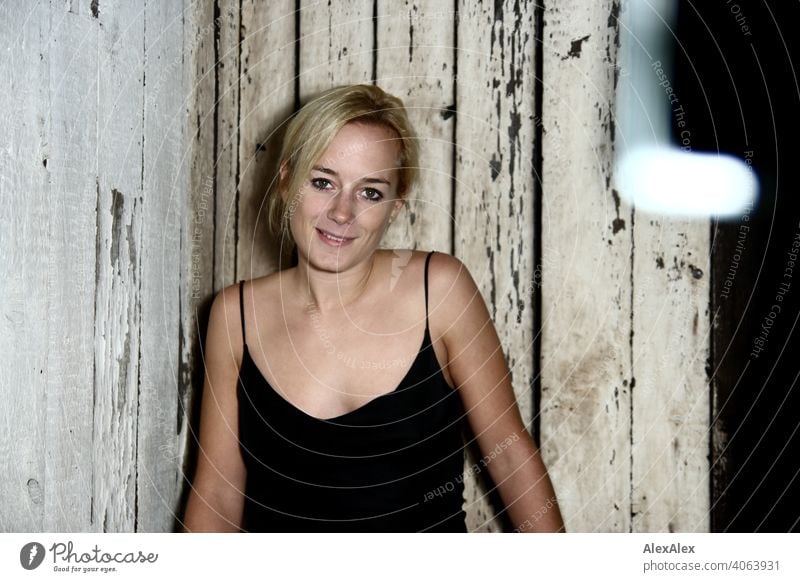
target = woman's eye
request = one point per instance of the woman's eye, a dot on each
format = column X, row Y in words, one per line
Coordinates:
column 320, row 183
column 372, row 195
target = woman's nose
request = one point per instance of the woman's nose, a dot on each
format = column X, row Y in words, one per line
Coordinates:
column 341, row 208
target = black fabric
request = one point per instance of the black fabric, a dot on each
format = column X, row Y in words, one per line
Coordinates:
column 394, row 464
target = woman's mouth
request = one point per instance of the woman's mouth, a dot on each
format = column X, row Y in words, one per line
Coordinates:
column 332, row 239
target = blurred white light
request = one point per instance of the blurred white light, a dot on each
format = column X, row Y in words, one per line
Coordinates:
column 651, row 174
column 671, row 181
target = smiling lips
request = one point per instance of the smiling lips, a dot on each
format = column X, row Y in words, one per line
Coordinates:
column 333, row 240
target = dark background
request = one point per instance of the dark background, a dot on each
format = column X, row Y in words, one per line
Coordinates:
column 740, row 94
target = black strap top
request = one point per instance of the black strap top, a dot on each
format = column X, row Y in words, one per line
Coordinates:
column 394, row 464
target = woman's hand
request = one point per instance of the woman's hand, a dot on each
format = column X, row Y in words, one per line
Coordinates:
column 478, row 368
column 217, row 497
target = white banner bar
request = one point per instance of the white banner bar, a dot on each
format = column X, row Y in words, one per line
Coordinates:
column 399, row 557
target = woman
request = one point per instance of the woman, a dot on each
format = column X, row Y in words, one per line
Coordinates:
column 336, row 390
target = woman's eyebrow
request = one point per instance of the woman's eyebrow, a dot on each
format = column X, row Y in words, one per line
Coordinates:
column 376, row 181
column 325, row 170
column 370, row 180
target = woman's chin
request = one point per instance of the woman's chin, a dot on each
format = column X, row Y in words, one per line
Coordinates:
column 332, row 260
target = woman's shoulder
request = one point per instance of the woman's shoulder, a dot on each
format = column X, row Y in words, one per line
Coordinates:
column 264, row 283
column 453, row 295
column 451, row 288
column 228, row 298
column 448, row 276
column 407, row 256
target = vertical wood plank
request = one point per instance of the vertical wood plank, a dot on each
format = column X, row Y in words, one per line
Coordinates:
column 495, row 183
column 226, row 158
column 196, row 219
column 71, row 143
column 416, row 62
column 165, row 188
column 267, row 88
column 671, row 331
column 337, row 42
column 24, row 234
column 118, row 255
column 670, row 342
column 586, row 372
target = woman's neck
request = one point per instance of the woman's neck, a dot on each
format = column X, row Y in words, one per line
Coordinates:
column 327, row 291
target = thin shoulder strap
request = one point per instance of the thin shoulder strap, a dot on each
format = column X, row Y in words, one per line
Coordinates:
column 241, row 309
column 427, row 261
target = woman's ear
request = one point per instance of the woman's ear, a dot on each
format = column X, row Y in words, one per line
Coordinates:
column 398, row 206
column 283, row 176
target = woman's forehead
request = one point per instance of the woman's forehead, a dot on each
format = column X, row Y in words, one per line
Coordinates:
column 363, row 144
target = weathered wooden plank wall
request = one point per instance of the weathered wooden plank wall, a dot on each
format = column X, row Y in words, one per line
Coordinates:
column 94, row 201
column 624, row 308
column 132, row 190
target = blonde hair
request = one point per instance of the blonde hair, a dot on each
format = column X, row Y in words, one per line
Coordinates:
column 313, row 128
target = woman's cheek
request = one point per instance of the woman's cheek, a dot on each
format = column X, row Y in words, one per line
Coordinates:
column 378, row 214
column 311, row 207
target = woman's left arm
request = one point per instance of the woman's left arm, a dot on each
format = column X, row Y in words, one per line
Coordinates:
column 478, row 368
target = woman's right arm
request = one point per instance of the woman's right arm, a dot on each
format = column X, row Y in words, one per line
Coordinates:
column 216, row 500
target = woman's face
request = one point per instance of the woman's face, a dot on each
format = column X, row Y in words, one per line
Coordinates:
column 345, row 205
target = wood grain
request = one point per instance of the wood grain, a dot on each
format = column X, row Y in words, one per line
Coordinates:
column 119, row 252
column 24, row 234
column 71, row 139
column 671, row 327
column 586, row 282
column 165, row 189
column 267, row 90
column 196, row 220
column 416, row 62
column 337, row 45
column 494, row 193
column 226, row 147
